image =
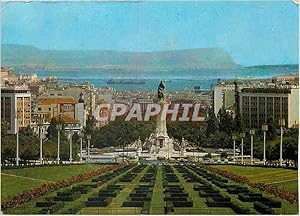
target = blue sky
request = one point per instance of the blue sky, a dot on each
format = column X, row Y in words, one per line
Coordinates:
column 253, row 33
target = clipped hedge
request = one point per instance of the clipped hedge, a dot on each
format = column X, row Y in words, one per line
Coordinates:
column 103, row 203
column 71, row 197
column 33, row 193
column 271, row 189
column 237, row 208
column 49, row 207
column 83, row 189
column 262, row 208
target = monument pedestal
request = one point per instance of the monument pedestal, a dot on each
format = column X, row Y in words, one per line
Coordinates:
column 161, row 133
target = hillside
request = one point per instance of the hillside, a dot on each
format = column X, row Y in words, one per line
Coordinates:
column 21, row 56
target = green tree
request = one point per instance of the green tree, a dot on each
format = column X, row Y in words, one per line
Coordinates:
column 4, row 128
column 226, row 123
column 239, row 125
column 212, row 123
column 271, row 133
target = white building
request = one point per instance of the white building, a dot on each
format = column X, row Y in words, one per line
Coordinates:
column 16, row 107
column 218, row 95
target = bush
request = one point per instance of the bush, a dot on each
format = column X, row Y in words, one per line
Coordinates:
column 74, row 209
column 26, row 196
column 50, row 207
column 97, row 203
column 83, row 189
column 108, row 199
column 71, row 197
column 133, row 203
column 271, row 202
column 237, row 208
column 219, row 184
column 262, row 208
column 188, row 203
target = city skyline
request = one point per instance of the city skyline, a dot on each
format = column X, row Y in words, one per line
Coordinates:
column 254, row 37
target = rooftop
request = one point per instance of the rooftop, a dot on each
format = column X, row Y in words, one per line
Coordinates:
column 49, row 101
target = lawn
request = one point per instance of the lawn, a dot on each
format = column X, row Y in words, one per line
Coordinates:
column 157, row 201
column 14, row 181
column 285, row 178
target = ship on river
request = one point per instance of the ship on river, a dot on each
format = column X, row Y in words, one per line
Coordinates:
column 126, row 81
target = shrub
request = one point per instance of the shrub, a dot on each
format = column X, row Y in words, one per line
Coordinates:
column 55, row 206
column 83, row 189
column 262, row 208
column 271, row 189
column 97, row 203
column 71, row 197
column 133, row 203
column 274, row 203
column 237, row 208
column 33, row 193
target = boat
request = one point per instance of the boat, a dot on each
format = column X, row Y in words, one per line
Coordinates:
column 126, row 81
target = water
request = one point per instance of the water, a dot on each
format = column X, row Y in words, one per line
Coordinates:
column 174, row 80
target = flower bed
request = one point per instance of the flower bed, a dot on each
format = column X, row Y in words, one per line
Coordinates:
column 26, row 196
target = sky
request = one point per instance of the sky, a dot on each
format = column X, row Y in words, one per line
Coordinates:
column 253, row 33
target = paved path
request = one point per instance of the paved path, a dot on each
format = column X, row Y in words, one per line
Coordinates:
column 283, row 181
column 24, row 177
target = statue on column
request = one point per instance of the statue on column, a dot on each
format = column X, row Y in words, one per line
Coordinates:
column 160, row 91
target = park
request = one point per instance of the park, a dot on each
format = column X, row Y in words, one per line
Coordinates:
column 148, row 189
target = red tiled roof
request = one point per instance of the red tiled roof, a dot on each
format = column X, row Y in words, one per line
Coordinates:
column 49, row 101
column 66, row 119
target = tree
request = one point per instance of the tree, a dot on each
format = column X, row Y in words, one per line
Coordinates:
column 224, row 154
column 226, row 123
column 89, row 125
column 52, row 131
column 4, row 128
column 271, row 133
column 212, row 123
column 28, row 144
column 290, row 149
column 8, row 148
column 239, row 125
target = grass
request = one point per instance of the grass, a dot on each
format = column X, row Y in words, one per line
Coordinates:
column 281, row 177
column 14, row 181
column 157, row 201
column 115, row 207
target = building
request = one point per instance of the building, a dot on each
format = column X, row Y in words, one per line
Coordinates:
column 257, row 105
column 50, row 107
column 291, row 79
column 16, row 107
column 228, row 100
column 80, row 111
column 218, row 96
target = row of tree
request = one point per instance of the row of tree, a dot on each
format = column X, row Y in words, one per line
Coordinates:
column 217, row 133
column 219, row 130
column 29, row 144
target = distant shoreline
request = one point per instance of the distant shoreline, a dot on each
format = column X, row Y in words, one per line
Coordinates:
column 125, row 70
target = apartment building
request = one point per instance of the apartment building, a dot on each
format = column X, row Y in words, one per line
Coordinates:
column 16, row 107
column 257, row 105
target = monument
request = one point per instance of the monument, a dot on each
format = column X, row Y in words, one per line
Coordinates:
column 161, row 124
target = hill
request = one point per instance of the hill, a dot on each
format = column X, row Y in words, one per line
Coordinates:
column 30, row 57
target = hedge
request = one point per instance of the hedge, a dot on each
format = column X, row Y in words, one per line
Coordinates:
column 271, row 189
column 33, row 193
column 237, row 208
column 51, row 207
column 71, row 197
column 262, row 208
